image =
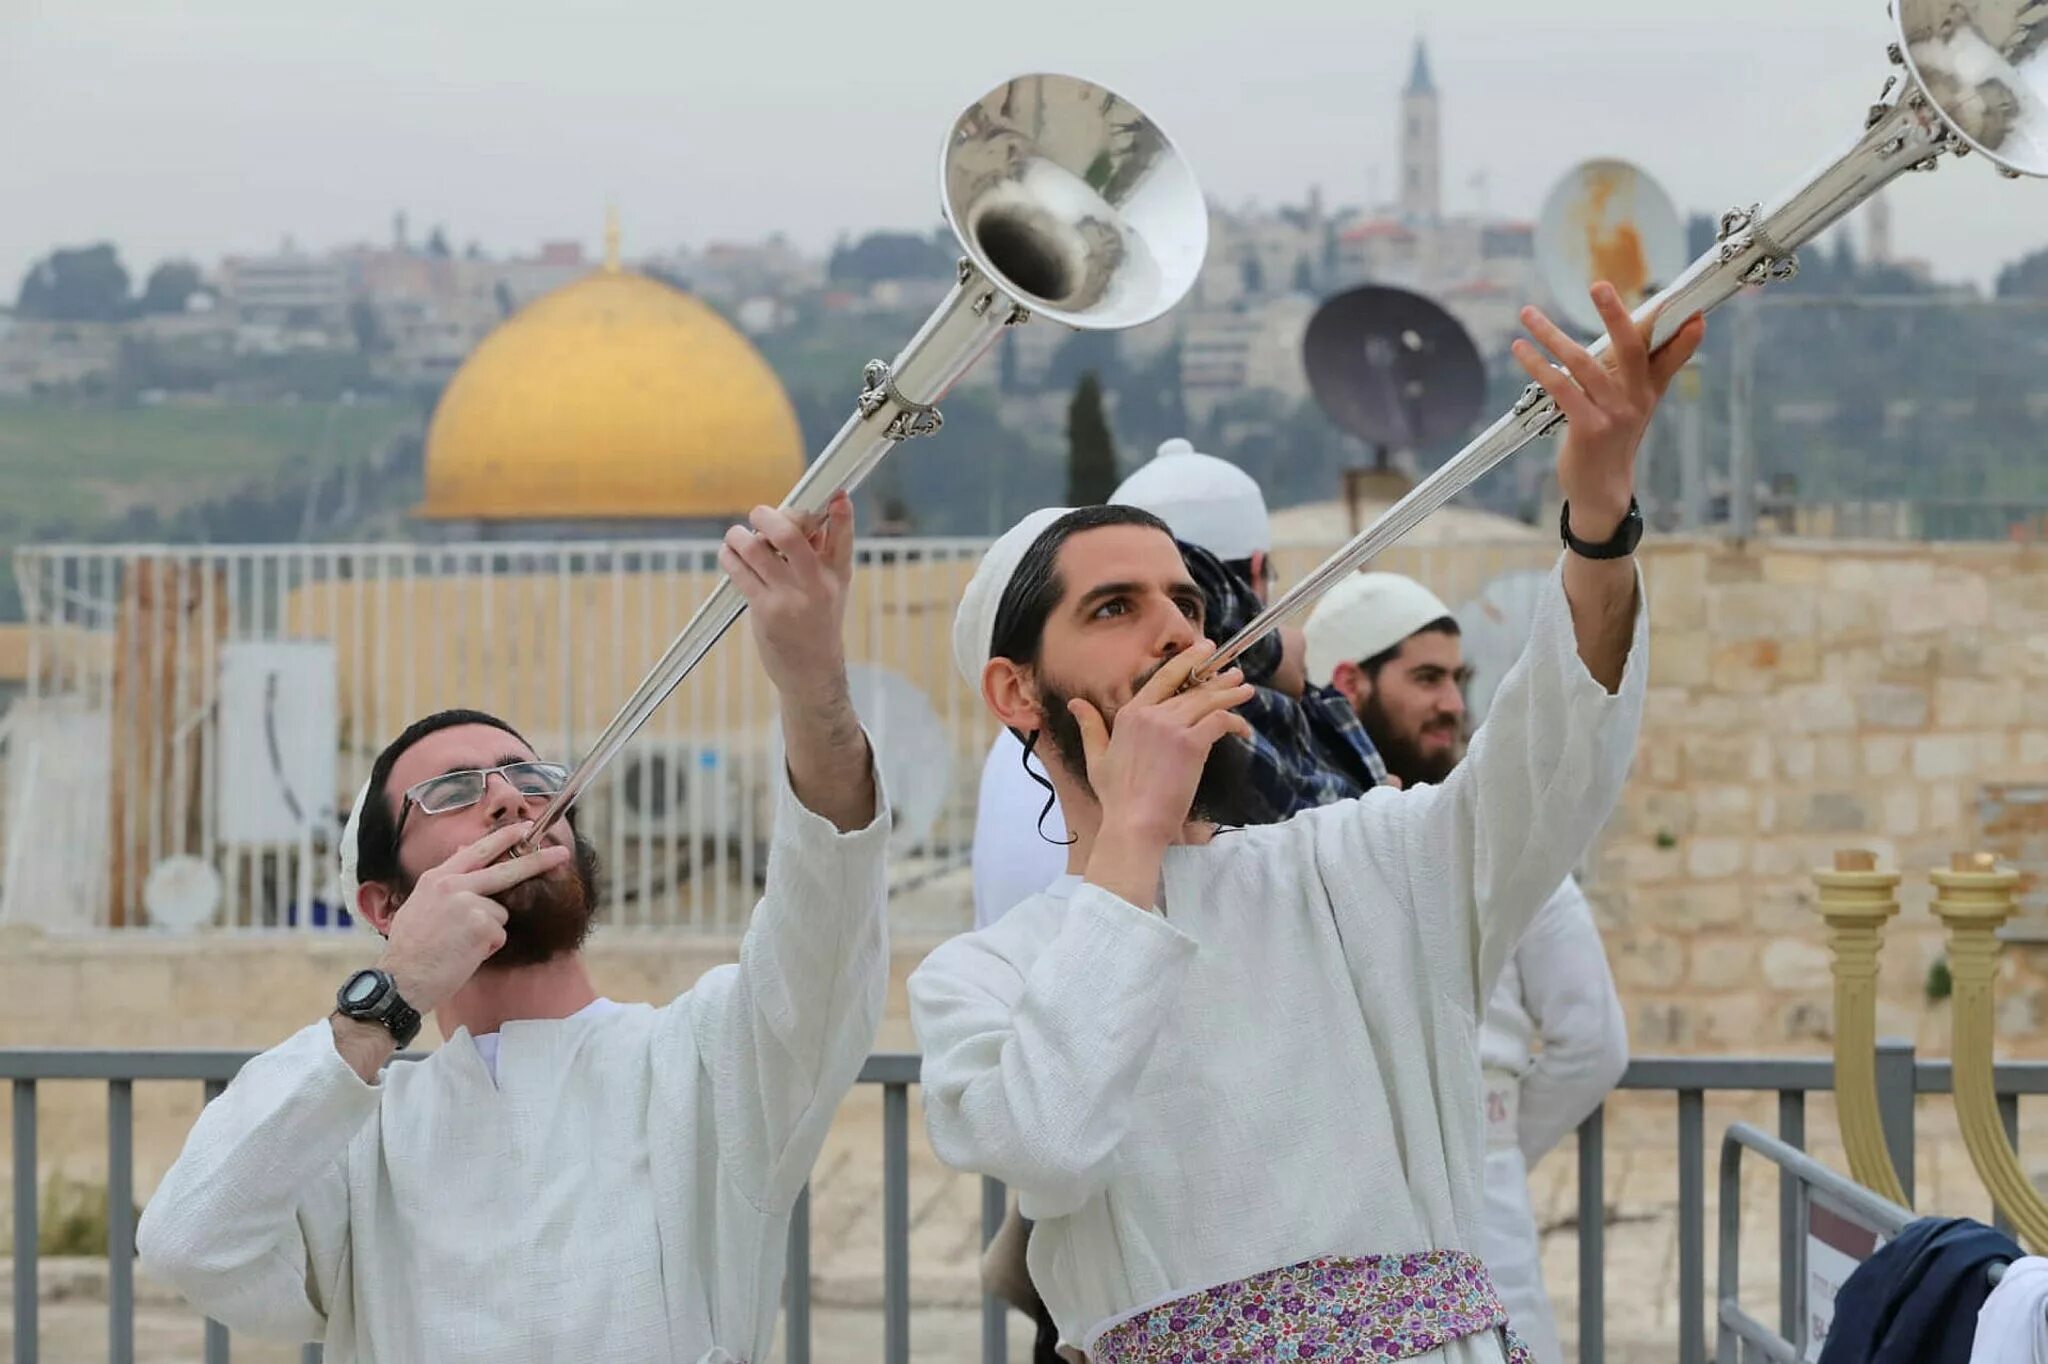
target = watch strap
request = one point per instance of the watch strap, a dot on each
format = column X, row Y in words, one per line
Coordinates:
column 1617, row 546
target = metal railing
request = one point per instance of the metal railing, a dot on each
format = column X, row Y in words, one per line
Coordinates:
column 1901, row 1078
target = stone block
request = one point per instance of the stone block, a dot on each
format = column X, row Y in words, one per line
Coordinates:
column 1797, row 759
column 1838, row 758
column 1942, row 805
column 1653, row 813
column 1796, row 964
column 1892, row 707
column 1725, row 757
column 1749, row 611
column 1634, row 862
column 1730, row 1023
column 1795, row 568
column 1647, row 961
column 1810, row 1019
column 1720, row 809
column 1885, row 755
column 1961, row 703
column 1746, row 668
column 2033, row 748
column 1816, row 708
column 2019, row 1012
column 1660, row 758
column 1734, row 566
column 1721, row 964
column 1834, row 812
column 1954, row 603
column 1902, row 811
column 1660, row 1025
column 1841, row 617
column 1944, row 755
column 1679, row 658
column 1709, row 859
column 1689, row 906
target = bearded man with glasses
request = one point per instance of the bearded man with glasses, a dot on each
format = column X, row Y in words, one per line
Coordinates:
column 565, row 1177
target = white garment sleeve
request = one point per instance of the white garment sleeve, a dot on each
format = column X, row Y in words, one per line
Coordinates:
column 2012, row 1325
column 1012, row 859
column 783, row 1034
column 1481, row 853
column 250, row 1223
column 1569, row 993
column 1031, row 1060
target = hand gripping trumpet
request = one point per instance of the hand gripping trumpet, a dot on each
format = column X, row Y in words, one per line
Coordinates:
column 1973, row 77
column 1070, row 204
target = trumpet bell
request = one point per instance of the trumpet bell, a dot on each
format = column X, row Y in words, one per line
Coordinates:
column 1074, row 202
column 1984, row 66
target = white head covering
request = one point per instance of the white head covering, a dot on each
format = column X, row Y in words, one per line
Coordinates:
column 974, row 624
column 345, row 882
column 1204, row 500
column 1363, row 615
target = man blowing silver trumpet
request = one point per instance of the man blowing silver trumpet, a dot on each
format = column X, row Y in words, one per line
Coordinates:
column 1232, row 1072
column 564, row 1177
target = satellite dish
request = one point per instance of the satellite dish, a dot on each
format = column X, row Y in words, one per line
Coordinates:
column 912, row 746
column 1494, row 629
column 1607, row 219
column 182, row 893
column 1393, row 368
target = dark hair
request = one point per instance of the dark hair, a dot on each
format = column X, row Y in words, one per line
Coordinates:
column 1035, row 587
column 1028, row 600
column 1442, row 625
column 377, row 836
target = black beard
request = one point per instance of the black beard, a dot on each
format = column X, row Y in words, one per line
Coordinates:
column 1401, row 753
column 547, row 916
column 1224, row 795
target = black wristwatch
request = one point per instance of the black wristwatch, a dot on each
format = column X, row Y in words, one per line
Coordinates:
column 1617, row 546
column 371, row 996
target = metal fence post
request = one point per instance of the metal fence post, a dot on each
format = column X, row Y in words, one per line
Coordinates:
column 1895, row 1089
column 121, row 1221
column 1593, row 1239
column 1692, row 1229
column 995, row 1313
column 25, row 1331
column 896, row 1224
column 797, row 1283
column 1791, row 1131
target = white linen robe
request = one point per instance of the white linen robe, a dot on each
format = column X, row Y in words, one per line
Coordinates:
column 622, row 1192
column 1556, row 988
column 1284, row 1063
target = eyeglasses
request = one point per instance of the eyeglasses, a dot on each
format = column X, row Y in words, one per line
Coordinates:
column 457, row 790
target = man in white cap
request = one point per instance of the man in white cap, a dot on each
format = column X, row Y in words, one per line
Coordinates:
column 1393, row 649
column 564, row 1177
column 1229, row 1069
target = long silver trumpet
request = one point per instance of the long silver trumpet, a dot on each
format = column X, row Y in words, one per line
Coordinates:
column 1069, row 203
column 1975, row 77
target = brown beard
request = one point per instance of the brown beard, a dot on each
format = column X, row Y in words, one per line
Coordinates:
column 1224, row 794
column 1401, row 752
column 547, row 916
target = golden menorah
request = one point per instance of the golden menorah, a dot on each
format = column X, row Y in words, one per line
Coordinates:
column 1973, row 899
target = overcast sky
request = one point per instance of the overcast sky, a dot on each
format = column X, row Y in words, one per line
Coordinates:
column 198, row 130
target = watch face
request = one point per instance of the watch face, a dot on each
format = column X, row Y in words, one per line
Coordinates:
column 362, row 987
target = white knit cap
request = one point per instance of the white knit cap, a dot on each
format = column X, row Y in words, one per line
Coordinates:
column 974, row 624
column 345, row 883
column 1204, row 500
column 1366, row 614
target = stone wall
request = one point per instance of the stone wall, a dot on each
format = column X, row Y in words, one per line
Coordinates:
column 1807, row 697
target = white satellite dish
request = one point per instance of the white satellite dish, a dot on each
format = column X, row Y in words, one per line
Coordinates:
column 182, row 893
column 911, row 743
column 1494, row 629
column 1607, row 219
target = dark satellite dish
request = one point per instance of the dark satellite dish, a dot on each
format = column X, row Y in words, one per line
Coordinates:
column 1393, row 369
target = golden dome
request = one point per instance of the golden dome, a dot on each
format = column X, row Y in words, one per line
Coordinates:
column 615, row 397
